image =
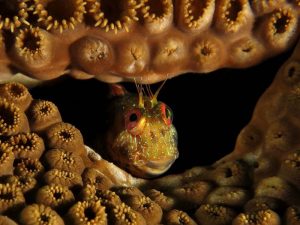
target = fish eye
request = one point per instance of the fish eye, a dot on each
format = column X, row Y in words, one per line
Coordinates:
column 167, row 114
column 134, row 121
column 133, row 117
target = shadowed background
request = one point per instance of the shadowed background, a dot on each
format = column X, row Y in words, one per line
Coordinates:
column 209, row 110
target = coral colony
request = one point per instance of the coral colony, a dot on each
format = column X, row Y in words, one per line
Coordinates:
column 49, row 177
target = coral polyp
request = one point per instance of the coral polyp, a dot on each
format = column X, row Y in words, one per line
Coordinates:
column 13, row 14
column 40, row 214
column 58, row 15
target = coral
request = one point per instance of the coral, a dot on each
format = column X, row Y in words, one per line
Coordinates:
column 16, row 93
column 177, row 217
column 55, row 196
column 165, row 202
column 208, row 214
column 150, row 210
column 193, row 192
column 12, row 119
column 228, row 196
column 6, row 159
column 29, row 167
column 11, row 198
column 25, row 183
column 90, row 213
column 123, row 214
column 13, row 14
column 64, row 160
column 233, row 173
column 292, row 215
column 42, row 114
column 94, row 177
column 106, row 197
column 125, row 192
column 290, row 168
column 264, row 203
column 40, row 214
column 27, row 145
column 4, row 220
column 142, row 38
column 262, row 217
column 278, row 188
column 64, row 178
column 65, row 136
column 58, row 15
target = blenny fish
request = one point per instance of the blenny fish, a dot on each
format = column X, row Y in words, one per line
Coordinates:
column 141, row 137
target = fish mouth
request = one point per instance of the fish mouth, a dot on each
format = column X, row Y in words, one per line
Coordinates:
column 154, row 168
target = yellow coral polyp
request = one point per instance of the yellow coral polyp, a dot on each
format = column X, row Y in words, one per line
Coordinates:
column 263, row 217
column 113, row 15
column 13, row 14
column 194, row 15
column 60, row 15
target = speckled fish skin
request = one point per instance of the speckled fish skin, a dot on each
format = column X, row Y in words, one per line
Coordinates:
column 141, row 139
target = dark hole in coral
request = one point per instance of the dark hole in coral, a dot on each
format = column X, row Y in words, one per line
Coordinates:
column 23, row 180
column 255, row 165
column 65, row 135
column 1, row 153
column 251, row 138
column 6, row 196
column 233, row 10
column 61, row 10
column 99, row 194
column 7, row 116
column 98, row 180
column 67, row 158
column 247, row 49
column 31, row 42
column 8, row 9
column 44, row 218
column 291, row 72
column 156, row 7
column 97, row 54
column 113, row 9
column 128, row 217
column 31, row 167
column 24, row 141
column 89, row 213
column 16, row 90
column 88, row 17
column 278, row 135
column 45, row 109
column 147, row 205
column 197, row 8
column 205, row 51
column 228, row 173
column 57, row 195
column 281, row 24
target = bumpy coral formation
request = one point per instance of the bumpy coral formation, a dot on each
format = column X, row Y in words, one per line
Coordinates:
column 143, row 39
column 51, row 177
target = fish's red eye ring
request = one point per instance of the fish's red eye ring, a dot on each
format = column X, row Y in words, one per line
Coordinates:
column 167, row 114
column 134, row 121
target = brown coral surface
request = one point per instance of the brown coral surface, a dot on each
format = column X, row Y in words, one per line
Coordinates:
column 143, row 39
column 258, row 183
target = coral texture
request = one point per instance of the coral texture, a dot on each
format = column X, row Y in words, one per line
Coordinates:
column 257, row 184
column 143, row 39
